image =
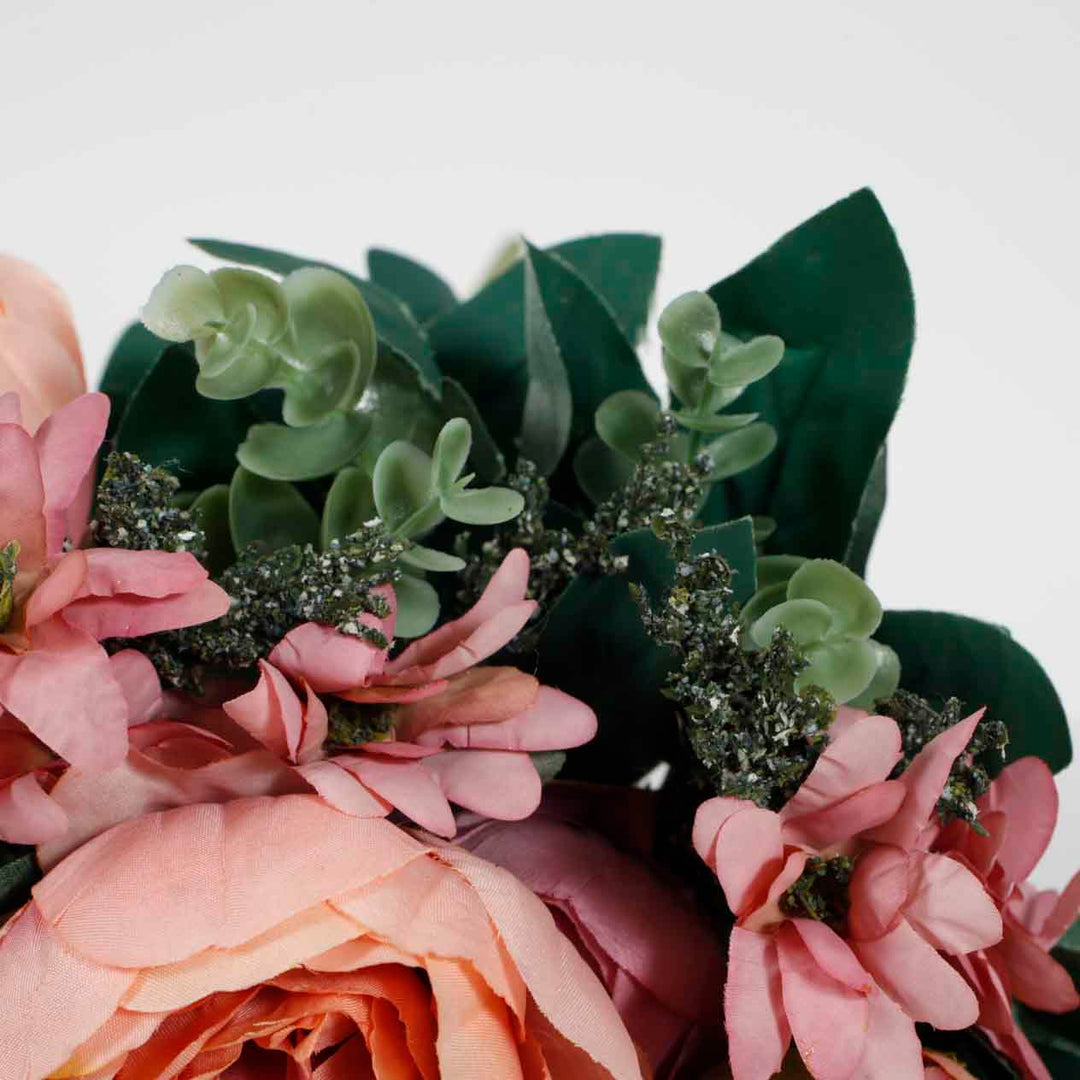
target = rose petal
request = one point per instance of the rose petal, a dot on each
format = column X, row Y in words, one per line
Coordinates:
column 271, row 713
column 327, row 660
column 27, row 814
column 754, row 1013
column 749, row 855
column 128, row 616
column 22, row 496
column 949, row 906
column 138, row 681
column 833, row 955
column 1026, row 793
column 878, row 889
column 496, row 783
column 1035, row 977
column 841, row 821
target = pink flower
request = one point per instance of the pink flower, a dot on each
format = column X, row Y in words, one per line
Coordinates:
column 656, row 956
column 850, row 1001
column 281, row 937
column 40, row 359
column 461, row 733
column 55, row 678
column 1019, row 814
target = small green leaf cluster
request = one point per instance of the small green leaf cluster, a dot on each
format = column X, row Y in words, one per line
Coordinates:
column 350, row 723
column 969, row 779
column 821, row 891
column 831, row 613
column 18, row 873
column 9, row 569
column 707, row 370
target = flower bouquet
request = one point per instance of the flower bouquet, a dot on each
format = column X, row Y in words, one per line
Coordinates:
column 400, row 686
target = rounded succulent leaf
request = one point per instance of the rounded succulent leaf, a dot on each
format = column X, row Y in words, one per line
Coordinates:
column 485, row 506
column 715, row 425
column 689, row 328
column 746, row 363
column 843, row 668
column 325, row 309
column 182, row 304
column 402, row 483
column 238, row 288
column 210, row 511
column 349, row 504
column 856, row 610
column 599, row 470
column 437, row 562
column 886, row 678
column 279, row 452
column 762, row 601
column 808, row 621
column 741, row 450
column 777, row 569
column 271, row 513
column 417, row 606
column 220, row 349
column 334, row 380
column 451, row 452
column 627, row 420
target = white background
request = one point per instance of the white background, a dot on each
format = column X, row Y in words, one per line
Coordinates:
column 442, row 128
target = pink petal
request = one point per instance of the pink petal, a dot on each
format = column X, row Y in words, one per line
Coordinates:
column 395, row 748
column 326, row 659
column 405, row 785
column 925, row 779
column 270, row 713
column 10, row 410
column 749, row 855
column 879, row 888
column 768, row 914
column 496, row 783
column 27, row 814
column 910, row 970
column 708, row 821
column 146, row 907
column 342, row 790
column 31, row 297
column 865, row 809
column 1062, row 914
column 892, row 1050
column 392, row 695
column 127, row 616
column 833, row 955
column 862, row 755
column 844, row 719
column 315, row 727
column 1026, row 793
column 138, row 681
column 67, row 444
column 22, row 496
column 152, row 574
column 36, row 367
column 827, row 1018
column 58, row 589
column 754, row 1013
column 470, row 639
column 65, row 693
column 949, row 907
column 1035, row 977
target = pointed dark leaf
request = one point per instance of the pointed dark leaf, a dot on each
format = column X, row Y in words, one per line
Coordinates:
column 426, row 294
column 868, row 516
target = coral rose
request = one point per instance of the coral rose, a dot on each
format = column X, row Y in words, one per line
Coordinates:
column 292, row 940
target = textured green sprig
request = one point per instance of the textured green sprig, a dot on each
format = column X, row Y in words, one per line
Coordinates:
column 919, row 723
column 351, row 723
column 821, row 891
column 135, row 509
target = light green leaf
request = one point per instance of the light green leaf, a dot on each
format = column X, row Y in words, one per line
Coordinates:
column 417, row 607
column 745, row 364
column 844, row 668
column 210, row 511
column 484, row 456
column 424, row 558
column 886, row 679
column 627, row 420
column 287, row 453
column 741, row 450
column 777, row 569
column 239, row 288
column 766, row 598
column 182, row 303
column 271, row 513
column 856, row 610
column 808, row 621
column 689, row 328
column 601, row 471
column 485, row 506
column 715, row 425
column 451, row 452
column 402, row 483
column 349, row 505
column 333, row 380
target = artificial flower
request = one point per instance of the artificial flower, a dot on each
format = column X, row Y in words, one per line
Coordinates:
column 461, row 733
column 656, row 955
column 849, row 996
column 291, row 939
column 57, row 605
column 1017, row 816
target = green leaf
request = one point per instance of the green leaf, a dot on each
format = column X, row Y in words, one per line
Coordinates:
column 271, row 513
column 856, row 610
column 481, row 343
column 765, row 599
column 844, row 668
column 278, row 452
column 867, row 517
column 715, row 425
column 943, row 655
column 426, row 294
column 424, row 558
column 182, row 303
column 627, row 420
column 451, row 452
column 18, row 873
column 394, row 323
column 349, row 504
column 402, row 483
column 885, row 682
column 777, row 569
column 485, row 506
column 837, row 291
column 417, row 606
column 131, row 359
column 746, row 363
column 211, row 512
column 807, row 620
column 741, row 450
column 601, row 471
column 167, row 422
column 484, row 457
column 689, row 329
column 548, row 410
column 240, row 288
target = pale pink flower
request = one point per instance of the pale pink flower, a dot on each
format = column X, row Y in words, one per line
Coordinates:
column 55, row 677
column 1019, row 814
column 462, row 734
column 849, row 1002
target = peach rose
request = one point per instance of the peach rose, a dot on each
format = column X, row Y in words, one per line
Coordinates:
column 278, row 937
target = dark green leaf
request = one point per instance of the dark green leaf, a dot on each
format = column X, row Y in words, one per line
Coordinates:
column 836, row 289
column 943, row 655
column 599, row 470
column 394, row 322
column 18, row 872
column 167, row 422
column 484, row 457
column 271, row 513
column 867, row 517
column 426, row 294
column 548, row 411
column 132, row 357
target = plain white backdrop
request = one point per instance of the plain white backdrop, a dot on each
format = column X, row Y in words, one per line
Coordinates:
column 441, row 129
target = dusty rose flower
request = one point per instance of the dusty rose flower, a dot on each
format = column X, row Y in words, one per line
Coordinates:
column 289, row 939
column 660, row 961
column 849, row 999
column 1019, row 814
